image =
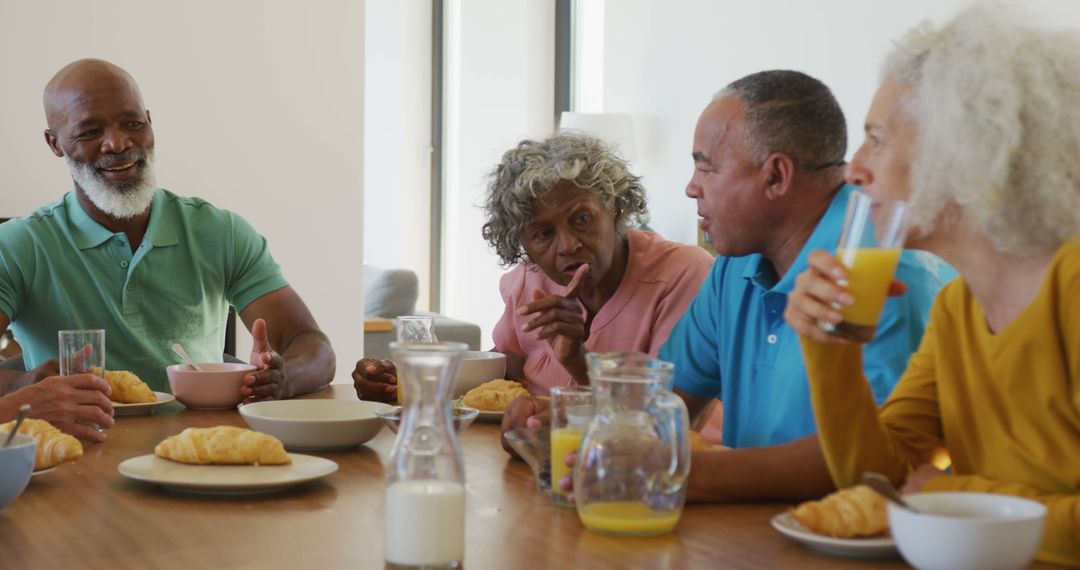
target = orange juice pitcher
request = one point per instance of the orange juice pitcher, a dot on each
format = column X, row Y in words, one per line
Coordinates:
column 632, row 466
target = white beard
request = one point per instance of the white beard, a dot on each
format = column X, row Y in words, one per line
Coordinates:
column 121, row 201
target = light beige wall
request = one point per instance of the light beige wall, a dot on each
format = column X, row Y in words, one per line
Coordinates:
column 257, row 107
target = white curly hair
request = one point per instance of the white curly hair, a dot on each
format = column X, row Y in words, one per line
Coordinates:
column 996, row 99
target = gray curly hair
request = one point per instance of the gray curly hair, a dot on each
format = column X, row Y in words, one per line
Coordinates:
column 533, row 167
column 994, row 98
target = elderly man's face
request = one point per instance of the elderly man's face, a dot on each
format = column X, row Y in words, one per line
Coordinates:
column 569, row 227
column 727, row 184
column 882, row 165
column 98, row 123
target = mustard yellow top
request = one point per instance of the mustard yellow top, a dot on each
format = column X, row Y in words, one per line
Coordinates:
column 1006, row 406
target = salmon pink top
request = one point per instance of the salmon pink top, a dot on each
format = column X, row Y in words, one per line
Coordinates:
column 661, row 279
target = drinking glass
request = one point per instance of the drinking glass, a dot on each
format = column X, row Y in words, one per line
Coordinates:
column 571, row 412
column 870, row 245
column 413, row 329
column 82, row 351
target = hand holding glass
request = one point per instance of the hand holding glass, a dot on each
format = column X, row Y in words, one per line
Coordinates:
column 870, row 247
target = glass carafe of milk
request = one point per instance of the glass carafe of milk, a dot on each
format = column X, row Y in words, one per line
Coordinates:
column 425, row 478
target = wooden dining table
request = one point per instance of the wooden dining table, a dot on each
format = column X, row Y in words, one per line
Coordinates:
column 85, row 514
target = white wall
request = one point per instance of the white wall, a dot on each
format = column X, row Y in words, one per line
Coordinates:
column 257, row 107
column 665, row 60
column 500, row 64
column 397, row 135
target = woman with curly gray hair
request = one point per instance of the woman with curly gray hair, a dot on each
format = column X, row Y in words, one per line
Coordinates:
column 561, row 211
column 976, row 124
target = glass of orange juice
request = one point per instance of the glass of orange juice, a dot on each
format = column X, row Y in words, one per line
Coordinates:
column 571, row 412
column 870, row 245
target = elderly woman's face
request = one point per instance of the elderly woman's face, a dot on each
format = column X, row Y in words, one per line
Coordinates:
column 569, row 227
column 882, row 165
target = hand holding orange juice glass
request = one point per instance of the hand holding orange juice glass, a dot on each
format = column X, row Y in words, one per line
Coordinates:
column 870, row 246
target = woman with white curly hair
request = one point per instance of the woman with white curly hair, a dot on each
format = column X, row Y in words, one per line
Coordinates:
column 977, row 124
column 561, row 212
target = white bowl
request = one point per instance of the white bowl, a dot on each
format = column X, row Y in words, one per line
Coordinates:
column 316, row 424
column 967, row 530
column 217, row 387
column 478, row 367
column 16, row 465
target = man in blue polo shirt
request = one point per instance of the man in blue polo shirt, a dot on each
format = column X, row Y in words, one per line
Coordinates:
column 769, row 184
column 144, row 264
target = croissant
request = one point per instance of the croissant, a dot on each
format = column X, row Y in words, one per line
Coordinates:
column 223, row 445
column 127, row 388
column 494, row 395
column 53, row 446
column 853, row 512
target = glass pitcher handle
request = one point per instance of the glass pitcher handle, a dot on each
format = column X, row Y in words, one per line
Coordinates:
column 673, row 419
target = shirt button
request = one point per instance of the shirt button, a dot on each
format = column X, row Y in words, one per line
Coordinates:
column 130, row 287
column 123, row 264
column 771, row 338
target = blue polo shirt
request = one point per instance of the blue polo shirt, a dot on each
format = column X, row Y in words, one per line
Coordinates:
column 733, row 343
column 59, row 269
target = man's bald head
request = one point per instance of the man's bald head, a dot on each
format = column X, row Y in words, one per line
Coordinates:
column 80, row 79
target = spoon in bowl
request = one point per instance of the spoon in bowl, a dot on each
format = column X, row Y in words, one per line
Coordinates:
column 882, row 485
column 23, row 411
column 179, row 350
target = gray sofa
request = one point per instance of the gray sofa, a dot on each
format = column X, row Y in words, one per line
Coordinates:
column 390, row 293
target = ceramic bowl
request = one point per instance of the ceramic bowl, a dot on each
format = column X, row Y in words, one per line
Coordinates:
column 534, row 446
column 463, row 417
column 217, row 387
column 16, row 465
column 478, row 367
column 967, row 530
column 316, row 424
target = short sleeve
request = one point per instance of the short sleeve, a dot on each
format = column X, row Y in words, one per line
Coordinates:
column 12, row 277
column 693, row 343
column 511, row 287
column 251, row 271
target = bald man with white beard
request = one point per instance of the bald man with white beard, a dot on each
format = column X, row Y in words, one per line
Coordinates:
column 148, row 266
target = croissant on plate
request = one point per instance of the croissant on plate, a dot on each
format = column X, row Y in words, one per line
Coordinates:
column 127, row 388
column 53, row 446
column 494, row 395
column 223, row 445
column 853, row 512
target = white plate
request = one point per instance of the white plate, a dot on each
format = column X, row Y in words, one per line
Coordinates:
column 880, row 547
column 226, row 479
column 144, row 408
column 42, row 471
column 494, row 417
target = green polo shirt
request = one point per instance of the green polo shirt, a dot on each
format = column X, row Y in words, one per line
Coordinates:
column 59, row 269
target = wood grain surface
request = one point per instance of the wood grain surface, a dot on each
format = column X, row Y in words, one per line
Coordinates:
column 86, row 515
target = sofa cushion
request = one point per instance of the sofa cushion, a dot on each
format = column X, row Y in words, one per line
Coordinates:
column 389, row 292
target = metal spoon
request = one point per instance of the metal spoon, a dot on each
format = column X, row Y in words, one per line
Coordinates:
column 881, row 484
column 179, row 350
column 23, row 411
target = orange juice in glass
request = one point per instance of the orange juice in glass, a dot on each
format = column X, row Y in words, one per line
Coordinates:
column 571, row 412
column 870, row 247
column 415, row 329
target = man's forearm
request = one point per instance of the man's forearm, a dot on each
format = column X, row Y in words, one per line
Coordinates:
column 11, row 380
column 792, row 471
column 309, row 363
